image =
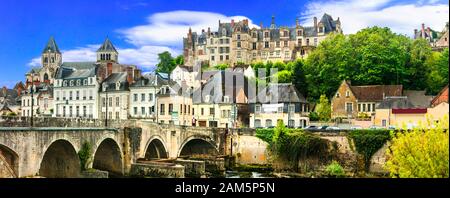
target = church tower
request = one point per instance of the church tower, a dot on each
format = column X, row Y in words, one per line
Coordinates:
column 51, row 60
column 107, row 53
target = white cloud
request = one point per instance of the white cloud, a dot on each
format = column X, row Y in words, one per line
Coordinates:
column 146, row 57
column 402, row 18
column 168, row 28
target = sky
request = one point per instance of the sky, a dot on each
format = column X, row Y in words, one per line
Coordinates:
column 140, row 29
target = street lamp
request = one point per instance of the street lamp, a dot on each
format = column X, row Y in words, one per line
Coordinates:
column 32, row 102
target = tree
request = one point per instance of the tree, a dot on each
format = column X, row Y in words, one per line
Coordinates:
column 420, row 51
column 222, row 66
column 284, row 76
column 324, row 109
column 179, row 60
column 420, row 153
column 166, row 63
column 298, row 76
column 437, row 78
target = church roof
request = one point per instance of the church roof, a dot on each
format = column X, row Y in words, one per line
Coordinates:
column 51, row 46
column 107, row 46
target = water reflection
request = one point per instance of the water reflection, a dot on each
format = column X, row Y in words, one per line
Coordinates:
column 241, row 174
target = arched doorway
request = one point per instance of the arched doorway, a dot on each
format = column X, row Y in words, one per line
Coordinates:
column 9, row 162
column 198, row 147
column 108, row 157
column 45, row 77
column 155, row 150
column 60, row 161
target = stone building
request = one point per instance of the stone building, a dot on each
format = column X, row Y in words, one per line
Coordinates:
column 238, row 42
column 352, row 101
column 114, row 97
column 437, row 40
column 174, row 103
column 41, row 100
column 279, row 102
column 51, row 60
column 143, row 96
column 10, row 99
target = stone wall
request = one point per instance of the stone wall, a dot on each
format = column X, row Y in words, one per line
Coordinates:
column 5, row 170
column 192, row 168
column 157, row 170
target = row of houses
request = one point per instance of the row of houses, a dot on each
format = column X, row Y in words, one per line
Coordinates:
column 388, row 106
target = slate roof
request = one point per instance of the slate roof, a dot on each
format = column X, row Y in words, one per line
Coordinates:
column 114, row 80
column 73, row 70
column 286, row 92
column 396, row 103
column 9, row 96
column 150, row 80
column 51, row 46
column 418, row 98
column 107, row 46
column 375, row 92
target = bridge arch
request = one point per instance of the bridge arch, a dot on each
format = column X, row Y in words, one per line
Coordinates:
column 155, row 149
column 11, row 158
column 60, row 160
column 108, row 157
column 197, row 145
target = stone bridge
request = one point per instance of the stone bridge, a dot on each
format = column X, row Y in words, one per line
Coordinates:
column 52, row 151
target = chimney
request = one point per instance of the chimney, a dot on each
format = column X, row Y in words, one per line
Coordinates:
column 415, row 33
column 261, row 25
column 423, row 30
column 273, row 20
column 109, row 69
column 429, row 32
column 245, row 21
column 315, row 23
column 297, row 23
column 130, row 75
column 209, row 31
column 232, row 22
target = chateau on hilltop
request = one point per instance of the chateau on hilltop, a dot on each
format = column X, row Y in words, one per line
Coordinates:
column 237, row 42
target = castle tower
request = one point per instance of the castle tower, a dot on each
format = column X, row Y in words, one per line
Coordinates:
column 51, row 56
column 107, row 53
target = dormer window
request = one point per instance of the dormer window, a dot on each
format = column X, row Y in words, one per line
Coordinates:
column 320, row 29
column 65, row 83
column 71, row 83
column 224, row 32
column 207, row 97
column 299, row 33
column 117, row 85
column 347, row 94
column 85, row 82
column 78, row 82
column 226, row 99
column 338, row 95
column 285, row 33
column 104, row 87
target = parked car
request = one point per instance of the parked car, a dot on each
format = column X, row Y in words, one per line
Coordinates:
column 312, row 127
column 392, row 127
column 270, row 127
column 356, row 128
column 333, row 128
column 322, row 127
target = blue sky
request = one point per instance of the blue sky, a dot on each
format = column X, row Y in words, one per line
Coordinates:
column 143, row 28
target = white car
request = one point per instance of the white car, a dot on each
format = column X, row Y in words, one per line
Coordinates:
column 333, row 128
column 356, row 128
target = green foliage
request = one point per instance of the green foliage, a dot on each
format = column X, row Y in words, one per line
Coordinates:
column 368, row 142
column 437, row 77
column 265, row 134
column 335, row 170
column 85, row 154
column 222, row 66
column 313, row 116
column 284, row 76
column 166, row 62
column 420, row 153
column 324, row 109
column 12, row 114
column 299, row 76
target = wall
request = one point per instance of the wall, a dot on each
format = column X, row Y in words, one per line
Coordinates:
column 249, row 150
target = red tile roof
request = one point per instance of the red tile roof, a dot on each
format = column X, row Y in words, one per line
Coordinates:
column 376, row 92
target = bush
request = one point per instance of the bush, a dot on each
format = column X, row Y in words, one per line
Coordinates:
column 85, row 154
column 335, row 170
column 420, row 153
column 368, row 142
column 313, row 116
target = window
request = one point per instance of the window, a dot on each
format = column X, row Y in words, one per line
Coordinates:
column 285, row 33
column 238, row 54
column 291, row 108
column 257, row 123
column 110, row 101
column 278, row 43
column 135, row 111
column 315, row 41
column 364, row 107
column 221, row 58
column 373, row 107
column 266, row 44
column 71, row 83
column 212, row 58
column 238, row 36
column 291, row 123
column 110, row 115
column 286, row 54
column 383, row 123
column 299, row 33
column 84, row 94
column 202, row 111
column 320, row 29
column 142, row 97
column 268, row 123
column 181, row 109
column 211, row 111
column 347, row 94
column 78, row 82
column 238, row 44
column 254, row 46
column 359, row 107
column 254, row 35
column 77, row 95
column 90, row 95
column 77, row 112
column 162, row 109
column 227, row 57
column 70, row 95
column 135, row 96
column 349, row 107
column 280, row 109
column 85, row 82
column 212, row 51
column 286, row 44
column 117, row 102
column 103, row 102
column 368, row 108
column 307, row 42
column 84, row 111
column 170, row 108
column 338, row 95
column 142, row 110
column 150, row 97
column 266, row 34
column 70, row 111
column 117, row 115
